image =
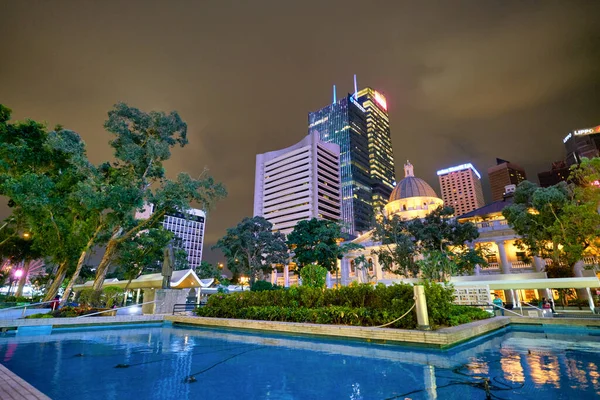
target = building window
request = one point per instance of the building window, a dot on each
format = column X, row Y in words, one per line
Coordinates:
column 521, row 256
column 492, row 258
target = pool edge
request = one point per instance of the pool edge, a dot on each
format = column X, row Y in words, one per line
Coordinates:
column 12, row 386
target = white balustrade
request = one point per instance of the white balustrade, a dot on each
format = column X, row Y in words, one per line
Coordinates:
column 521, row 265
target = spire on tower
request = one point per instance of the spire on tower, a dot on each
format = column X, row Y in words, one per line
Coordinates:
column 355, row 88
column 334, row 95
column 408, row 169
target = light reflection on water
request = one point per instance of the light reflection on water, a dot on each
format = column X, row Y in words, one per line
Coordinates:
column 528, row 362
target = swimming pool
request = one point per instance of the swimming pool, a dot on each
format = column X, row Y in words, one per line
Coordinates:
column 182, row 362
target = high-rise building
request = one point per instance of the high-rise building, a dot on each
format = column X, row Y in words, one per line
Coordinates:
column 461, row 188
column 502, row 174
column 344, row 123
column 582, row 143
column 558, row 173
column 298, row 183
column 381, row 156
column 188, row 226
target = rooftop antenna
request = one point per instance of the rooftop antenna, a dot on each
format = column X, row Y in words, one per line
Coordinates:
column 334, row 95
column 355, row 88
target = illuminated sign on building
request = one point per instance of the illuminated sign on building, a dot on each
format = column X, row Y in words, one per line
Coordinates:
column 567, row 138
column 380, row 99
column 459, row 168
column 581, row 132
column 361, row 108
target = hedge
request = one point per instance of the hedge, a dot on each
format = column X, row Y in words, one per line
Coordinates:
column 361, row 305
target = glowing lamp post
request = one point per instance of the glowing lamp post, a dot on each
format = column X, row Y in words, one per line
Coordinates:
column 18, row 273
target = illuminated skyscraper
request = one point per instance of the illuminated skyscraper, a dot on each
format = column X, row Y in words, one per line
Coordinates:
column 345, row 123
column 502, row 174
column 381, row 156
column 461, row 188
column 298, row 183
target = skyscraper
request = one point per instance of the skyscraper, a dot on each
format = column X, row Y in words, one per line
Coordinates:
column 344, row 123
column 502, row 174
column 461, row 188
column 381, row 156
column 188, row 226
column 298, row 183
column 582, row 143
column 558, row 173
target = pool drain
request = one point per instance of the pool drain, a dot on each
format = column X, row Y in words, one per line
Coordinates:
column 122, row 366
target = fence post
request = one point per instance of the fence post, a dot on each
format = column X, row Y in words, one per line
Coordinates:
column 421, row 306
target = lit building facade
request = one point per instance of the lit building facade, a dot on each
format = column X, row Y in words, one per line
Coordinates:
column 582, row 143
column 298, row 183
column 461, row 188
column 381, row 155
column 502, row 174
column 344, row 123
column 188, row 226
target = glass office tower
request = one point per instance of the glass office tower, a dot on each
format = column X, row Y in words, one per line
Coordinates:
column 381, row 156
column 345, row 123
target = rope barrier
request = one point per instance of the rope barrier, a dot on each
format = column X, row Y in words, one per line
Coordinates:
column 398, row 319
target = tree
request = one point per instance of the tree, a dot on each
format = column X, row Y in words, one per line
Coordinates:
column 314, row 276
column 434, row 247
column 561, row 222
column 316, row 241
column 142, row 142
column 251, row 248
column 207, row 270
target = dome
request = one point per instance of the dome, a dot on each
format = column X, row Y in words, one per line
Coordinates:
column 412, row 187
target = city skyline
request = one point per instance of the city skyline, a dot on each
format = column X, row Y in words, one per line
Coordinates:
column 245, row 89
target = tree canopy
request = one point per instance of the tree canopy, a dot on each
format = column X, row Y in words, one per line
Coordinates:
column 561, row 222
column 435, row 247
column 317, row 241
column 252, row 248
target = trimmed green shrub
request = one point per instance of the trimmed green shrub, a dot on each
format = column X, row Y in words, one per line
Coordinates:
column 112, row 295
column 364, row 305
column 90, row 297
column 35, row 316
column 313, row 275
column 261, row 286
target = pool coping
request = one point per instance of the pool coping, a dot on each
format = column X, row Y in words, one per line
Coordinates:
column 441, row 339
column 79, row 322
column 13, row 387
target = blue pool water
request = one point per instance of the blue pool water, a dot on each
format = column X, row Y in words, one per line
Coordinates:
column 526, row 362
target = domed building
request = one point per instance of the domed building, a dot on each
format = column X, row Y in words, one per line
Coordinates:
column 412, row 197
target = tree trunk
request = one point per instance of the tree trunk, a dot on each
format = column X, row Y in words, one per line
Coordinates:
column 51, row 279
column 59, row 277
column 23, row 279
column 75, row 275
column 104, row 264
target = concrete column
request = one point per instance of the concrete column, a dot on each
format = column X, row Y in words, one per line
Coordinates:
column 504, row 264
column 590, row 299
column 345, row 272
column 137, row 296
column 328, row 280
column 578, row 268
column 274, row 276
column 149, row 295
column 421, row 307
column 286, row 276
column 477, row 269
column 539, row 264
column 378, row 270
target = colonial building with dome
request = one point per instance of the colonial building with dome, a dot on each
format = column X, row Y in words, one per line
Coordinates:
column 411, row 198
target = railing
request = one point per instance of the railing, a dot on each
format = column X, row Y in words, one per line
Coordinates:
column 520, row 265
column 492, row 225
column 186, row 307
column 24, row 307
column 492, row 265
column 590, row 261
column 115, row 309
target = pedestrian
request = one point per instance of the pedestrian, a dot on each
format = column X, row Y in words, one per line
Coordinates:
column 498, row 303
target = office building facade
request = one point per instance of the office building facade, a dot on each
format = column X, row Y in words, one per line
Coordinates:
column 188, row 226
column 381, row 155
column 344, row 123
column 582, row 143
column 502, row 174
column 461, row 188
column 558, row 173
column 298, row 183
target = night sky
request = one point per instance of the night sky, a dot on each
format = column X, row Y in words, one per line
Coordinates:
column 465, row 81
